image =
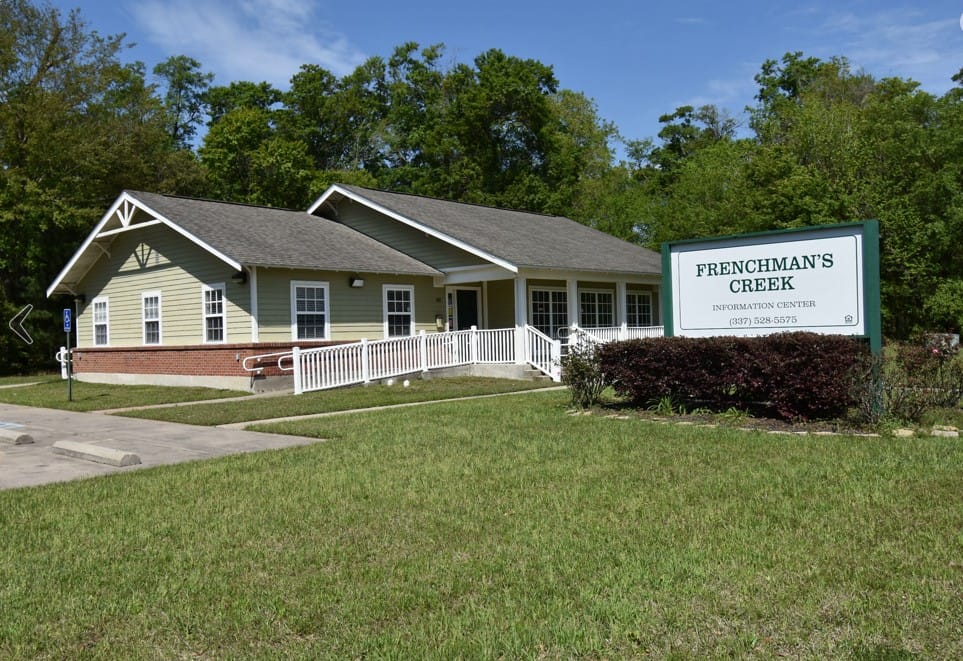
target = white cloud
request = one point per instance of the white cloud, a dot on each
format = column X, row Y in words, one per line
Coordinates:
column 900, row 42
column 252, row 40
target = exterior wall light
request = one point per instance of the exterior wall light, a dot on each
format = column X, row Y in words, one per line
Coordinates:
column 356, row 282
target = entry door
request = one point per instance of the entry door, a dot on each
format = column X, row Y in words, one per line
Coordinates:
column 466, row 309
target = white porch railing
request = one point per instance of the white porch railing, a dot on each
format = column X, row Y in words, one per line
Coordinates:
column 616, row 333
column 365, row 361
column 543, row 353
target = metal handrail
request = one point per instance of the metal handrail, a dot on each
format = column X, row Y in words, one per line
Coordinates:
column 260, row 357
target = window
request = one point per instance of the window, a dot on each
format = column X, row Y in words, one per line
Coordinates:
column 309, row 310
column 101, row 321
column 214, row 319
column 596, row 309
column 639, row 308
column 151, row 316
column 399, row 310
column 549, row 310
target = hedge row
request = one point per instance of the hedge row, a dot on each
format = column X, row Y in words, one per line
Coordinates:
column 794, row 375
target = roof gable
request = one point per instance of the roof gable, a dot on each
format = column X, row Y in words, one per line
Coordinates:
column 511, row 239
column 240, row 235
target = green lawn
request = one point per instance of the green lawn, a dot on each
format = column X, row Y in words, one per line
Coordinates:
column 18, row 380
column 342, row 399
column 96, row 396
column 499, row 528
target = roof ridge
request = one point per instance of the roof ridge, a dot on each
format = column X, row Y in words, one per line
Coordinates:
column 467, row 204
column 213, row 201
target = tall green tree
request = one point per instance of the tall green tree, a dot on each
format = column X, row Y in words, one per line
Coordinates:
column 185, row 86
column 76, row 127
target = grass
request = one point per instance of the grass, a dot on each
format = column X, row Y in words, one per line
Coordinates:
column 498, row 528
column 95, row 396
column 343, row 399
column 18, row 380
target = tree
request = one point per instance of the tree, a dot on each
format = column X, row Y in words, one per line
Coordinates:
column 184, row 97
column 76, row 127
column 243, row 94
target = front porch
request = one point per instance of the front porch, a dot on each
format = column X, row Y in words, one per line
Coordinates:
column 551, row 301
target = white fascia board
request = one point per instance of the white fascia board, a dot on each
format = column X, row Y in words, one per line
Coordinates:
column 462, row 274
column 592, row 276
column 97, row 233
column 86, row 244
column 478, row 252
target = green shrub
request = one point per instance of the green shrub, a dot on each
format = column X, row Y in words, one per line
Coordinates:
column 582, row 373
column 923, row 374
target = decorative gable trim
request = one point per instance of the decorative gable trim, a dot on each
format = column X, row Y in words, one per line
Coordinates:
column 122, row 216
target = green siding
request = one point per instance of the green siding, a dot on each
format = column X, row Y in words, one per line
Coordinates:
column 354, row 312
column 413, row 242
column 501, row 304
column 158, row 259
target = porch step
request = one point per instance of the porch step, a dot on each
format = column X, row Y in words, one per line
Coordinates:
column 532, row 374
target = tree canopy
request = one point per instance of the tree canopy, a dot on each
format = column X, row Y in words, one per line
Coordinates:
column 823, row 144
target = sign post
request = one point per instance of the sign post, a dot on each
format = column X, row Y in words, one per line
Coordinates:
column 68, row 325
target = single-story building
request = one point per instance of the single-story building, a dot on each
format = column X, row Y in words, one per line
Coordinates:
column 174, row 290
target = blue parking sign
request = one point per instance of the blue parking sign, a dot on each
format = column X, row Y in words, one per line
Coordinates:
column 67, row 320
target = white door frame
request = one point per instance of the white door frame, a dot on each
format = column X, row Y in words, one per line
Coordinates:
column 451, row 301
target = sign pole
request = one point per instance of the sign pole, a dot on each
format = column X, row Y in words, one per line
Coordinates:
column 68, row 357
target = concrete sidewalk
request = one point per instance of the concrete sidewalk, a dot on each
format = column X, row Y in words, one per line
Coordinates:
column 156, row 443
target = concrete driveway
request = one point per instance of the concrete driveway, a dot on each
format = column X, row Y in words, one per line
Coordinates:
column 156, row 443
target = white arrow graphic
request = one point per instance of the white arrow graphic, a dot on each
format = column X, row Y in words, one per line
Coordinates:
column 16, row 324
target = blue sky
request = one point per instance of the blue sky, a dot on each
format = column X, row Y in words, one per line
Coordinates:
column 636, row 59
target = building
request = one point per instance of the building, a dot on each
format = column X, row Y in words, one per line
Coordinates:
column 173, row 290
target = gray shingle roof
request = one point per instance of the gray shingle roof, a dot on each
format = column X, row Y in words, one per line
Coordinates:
column 523, row 239
column 262, row 236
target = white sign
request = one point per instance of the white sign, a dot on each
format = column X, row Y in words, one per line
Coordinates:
column 809, row 280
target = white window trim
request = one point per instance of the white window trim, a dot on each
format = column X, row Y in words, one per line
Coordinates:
column 531, row 304
column 294, row 308
column 93, row 315
column 647, row 294
column 597, row 291
column 204, row 316
column 143, row 318
column 384, row 308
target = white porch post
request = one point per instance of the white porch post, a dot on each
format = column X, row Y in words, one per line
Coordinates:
column 571, row 285
column 521, row 318
column 657, row 312
column 252, row 283
column 622, row 307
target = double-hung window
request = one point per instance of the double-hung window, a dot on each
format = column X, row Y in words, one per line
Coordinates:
column 151, row 316
column 639, row 308
column 101, row 321
column 309, row 310
column 399, row 308
column 215, row 322
column 596, row 309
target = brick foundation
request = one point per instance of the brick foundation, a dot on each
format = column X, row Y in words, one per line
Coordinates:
column 221, row 360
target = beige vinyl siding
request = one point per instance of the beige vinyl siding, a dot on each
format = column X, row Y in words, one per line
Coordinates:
column 354, row 313
column 413, row 242
column 157, row 259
